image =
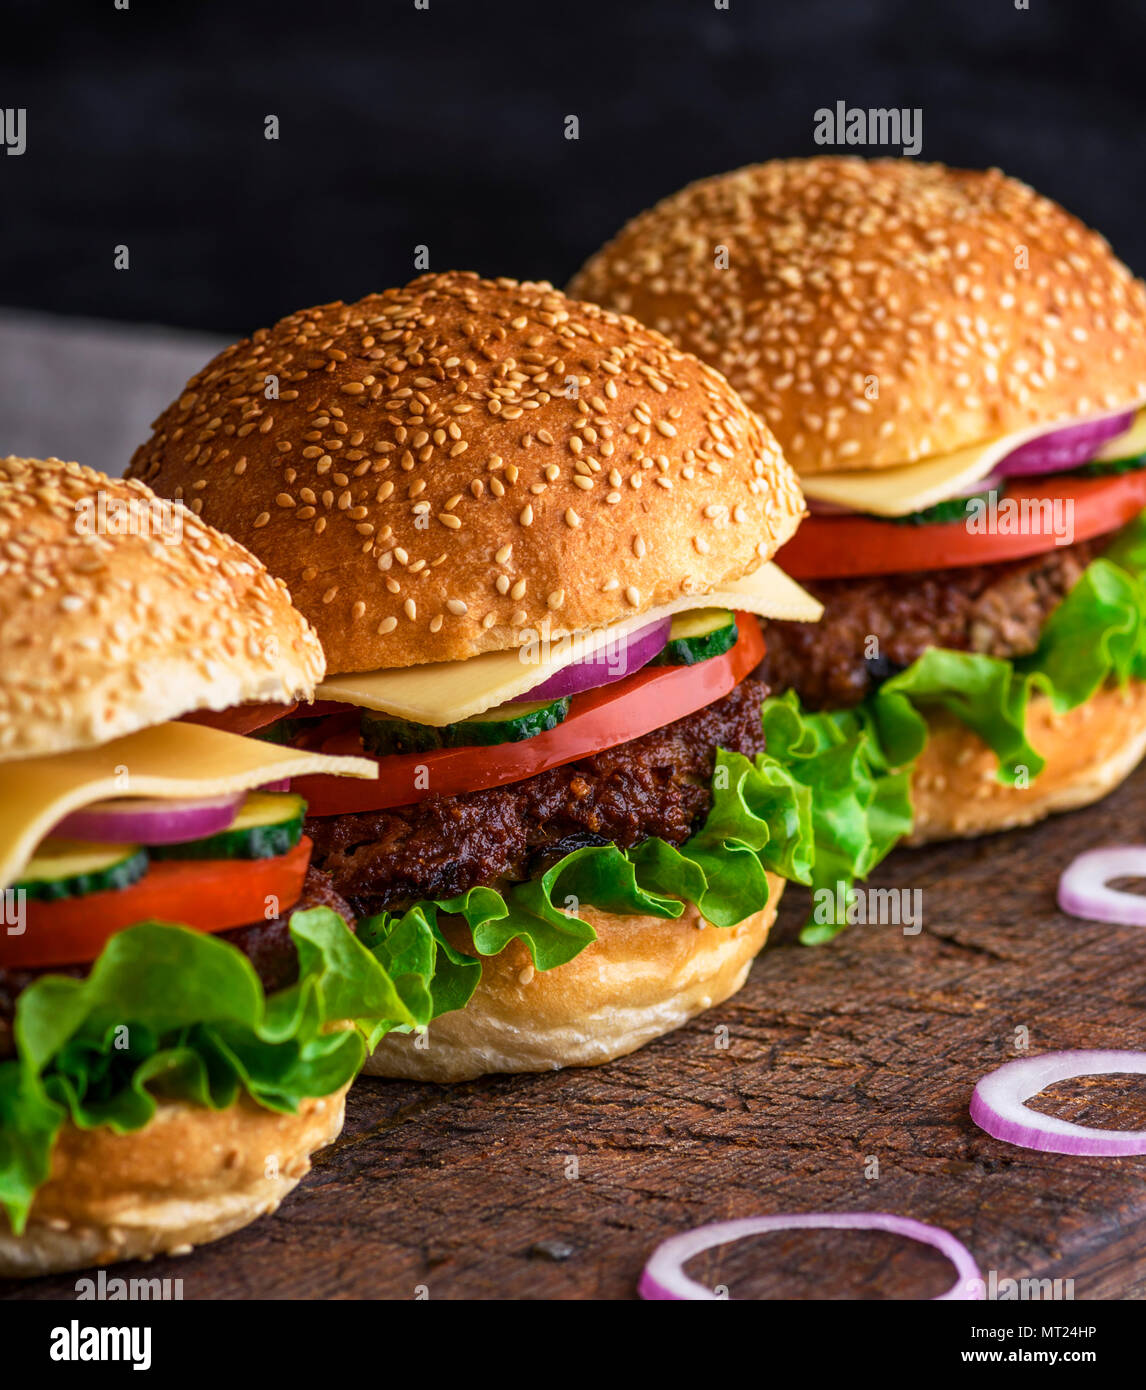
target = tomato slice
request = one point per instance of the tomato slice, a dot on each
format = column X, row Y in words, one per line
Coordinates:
column 838, row 547
column 210, row 895
column 597, row 719
column 239, row 719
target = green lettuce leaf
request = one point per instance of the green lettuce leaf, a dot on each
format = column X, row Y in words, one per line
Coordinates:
column 170, row 1012
column 760, row 822
column 857, row 762
column 860, row 803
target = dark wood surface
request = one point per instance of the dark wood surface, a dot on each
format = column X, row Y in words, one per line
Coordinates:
column 868, row 1048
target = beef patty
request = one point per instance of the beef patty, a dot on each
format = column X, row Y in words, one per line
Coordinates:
column 267, row 945
column 653, row 786
column 998, row 610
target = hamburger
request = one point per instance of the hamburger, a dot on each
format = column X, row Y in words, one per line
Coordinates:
column 535, row 539
column 956, row 367
column 176, row 977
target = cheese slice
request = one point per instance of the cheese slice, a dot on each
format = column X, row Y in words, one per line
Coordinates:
column 444, row 692
column 1128, row 445
column 899, row 491
column 167, row 760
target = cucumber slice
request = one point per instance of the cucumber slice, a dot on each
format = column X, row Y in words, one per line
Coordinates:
column 697, row 636
column 1110, row 468
column 521, row 719
column 74, row 868
column 268, row 824
column 954, row 509
column 282, row 730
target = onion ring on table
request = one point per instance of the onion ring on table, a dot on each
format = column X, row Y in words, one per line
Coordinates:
column 999, row 1104
column 664, row 1277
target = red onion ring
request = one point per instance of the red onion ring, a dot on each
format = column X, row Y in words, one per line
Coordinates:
column 664, row 1277
column 606, row 665
column 1083, row 888
column 1064, row 448
column 150, row 821
column 999, row 1104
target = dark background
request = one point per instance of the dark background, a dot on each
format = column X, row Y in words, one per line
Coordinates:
column 445, row 127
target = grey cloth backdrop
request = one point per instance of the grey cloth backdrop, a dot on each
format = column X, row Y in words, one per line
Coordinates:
column 88, row 391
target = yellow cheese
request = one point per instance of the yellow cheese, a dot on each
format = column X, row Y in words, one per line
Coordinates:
column 167, row 760
column 1128, row 445
column 445, row 692
column 899, row 491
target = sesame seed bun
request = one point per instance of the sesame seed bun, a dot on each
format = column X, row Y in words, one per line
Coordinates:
column 190, row 1176
column 448, row 464
column 641, row 978
column 974, row 306
column 105, row 633
column 1088, row 750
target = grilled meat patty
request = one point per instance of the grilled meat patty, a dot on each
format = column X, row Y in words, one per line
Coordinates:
column 998, row 610
column 653, row 786
column 268, row 946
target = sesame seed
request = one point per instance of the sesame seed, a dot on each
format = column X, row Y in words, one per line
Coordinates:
column 456, row 607
column 387, row 625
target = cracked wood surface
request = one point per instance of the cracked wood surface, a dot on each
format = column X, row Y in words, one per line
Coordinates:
column 842, row 1062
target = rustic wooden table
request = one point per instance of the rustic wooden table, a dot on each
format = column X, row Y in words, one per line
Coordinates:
column 845, row 1085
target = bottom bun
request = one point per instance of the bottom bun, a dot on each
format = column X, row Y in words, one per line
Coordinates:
column 190, row 1176
column 642, row 977
column 1088, row 752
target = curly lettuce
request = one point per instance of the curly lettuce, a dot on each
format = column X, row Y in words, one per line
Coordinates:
column 858, row 762
column 760, row 822
column 167, row 1012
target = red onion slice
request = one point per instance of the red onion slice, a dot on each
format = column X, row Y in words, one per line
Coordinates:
column 613, row 662
column 1083, row 888
column 664, row 1276
column 999, row 1104
column 150, row 821
column 1065, row 448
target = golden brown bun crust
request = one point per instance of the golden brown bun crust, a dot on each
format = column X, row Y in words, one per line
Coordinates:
column 642, row 977
column 103, row 634
column 192, row 1175
column 427, row 489
column 1088, row 752
column 841, row 271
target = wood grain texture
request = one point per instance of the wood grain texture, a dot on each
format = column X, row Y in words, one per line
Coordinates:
column 866, row 1048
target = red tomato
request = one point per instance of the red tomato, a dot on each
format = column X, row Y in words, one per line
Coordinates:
column 838, row 547
column 239, row 719
column 597, row 719
column 210, row 895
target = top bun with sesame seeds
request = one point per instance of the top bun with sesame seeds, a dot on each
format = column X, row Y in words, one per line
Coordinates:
column 119, row 611
column 977, row 306
column 436, row 468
